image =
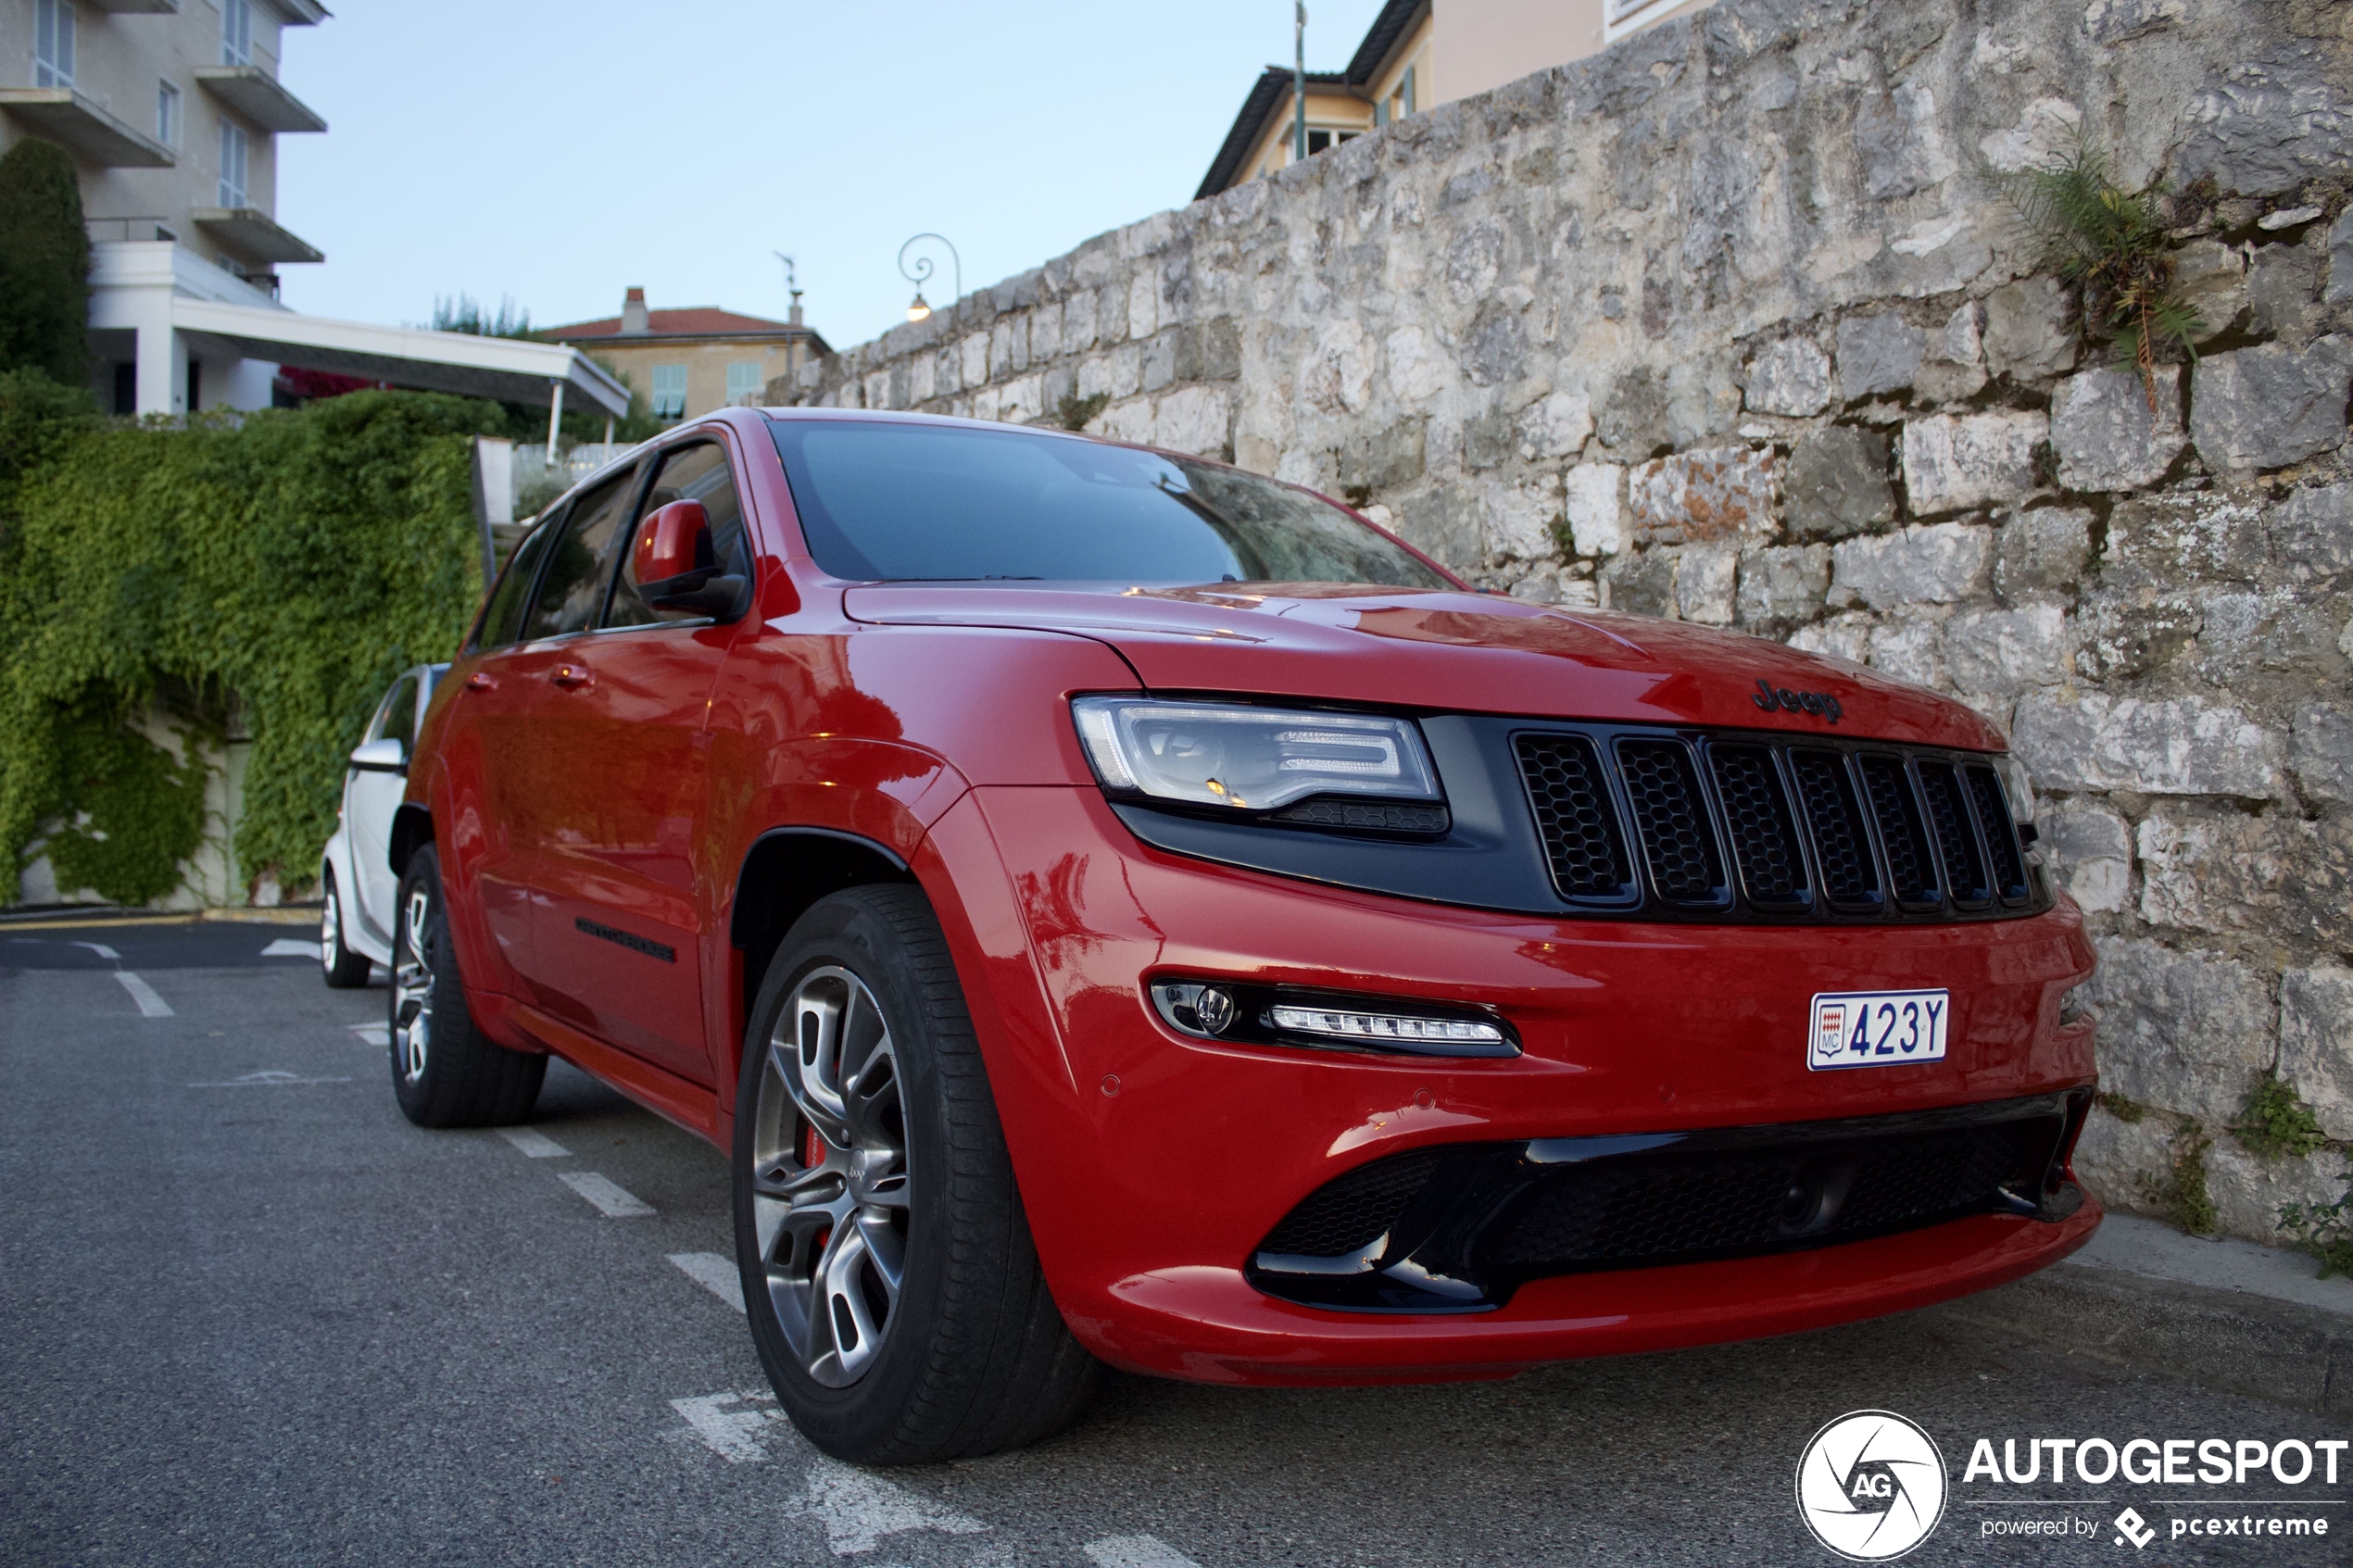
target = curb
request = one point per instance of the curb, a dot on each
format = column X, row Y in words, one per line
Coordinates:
column 2226, row 1341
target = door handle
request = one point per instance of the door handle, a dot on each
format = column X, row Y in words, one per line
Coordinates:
column 480, row 681
column 572, row 676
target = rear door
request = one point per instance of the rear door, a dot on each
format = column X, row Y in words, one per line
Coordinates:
column 621, row 867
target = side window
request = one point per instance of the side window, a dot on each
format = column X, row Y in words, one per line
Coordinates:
column 502, row 617
column 572, row 588
column 694, row 472
column 396, row 720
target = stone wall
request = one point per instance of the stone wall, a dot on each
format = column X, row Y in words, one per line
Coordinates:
column 1733, row 324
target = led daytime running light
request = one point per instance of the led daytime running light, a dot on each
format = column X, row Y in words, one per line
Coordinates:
column 1348, row 1025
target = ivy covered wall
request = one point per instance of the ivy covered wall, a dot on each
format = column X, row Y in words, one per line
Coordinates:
column 278, row 570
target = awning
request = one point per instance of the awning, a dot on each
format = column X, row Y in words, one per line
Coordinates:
column 509, row 369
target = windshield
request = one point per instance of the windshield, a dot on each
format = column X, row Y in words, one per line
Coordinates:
column 884, row 501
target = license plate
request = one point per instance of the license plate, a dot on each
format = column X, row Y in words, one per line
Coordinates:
column 1877, row 1028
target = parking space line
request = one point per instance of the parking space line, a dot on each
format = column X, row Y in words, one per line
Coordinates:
column 100, row 948
column 537, row 1145
column 612, row 1200
column 729, row 1433
column 269, row 1078
column 714, row 1273
column 287, row 948
column 372, row 1034
column 150, row 1004
column 1136, row 1551
column 858, row 1510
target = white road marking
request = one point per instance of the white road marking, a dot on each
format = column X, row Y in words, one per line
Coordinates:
column 1136, row 1551
column 150, row 1004
column 858, row 1510
column 539, row 1146
column 372, row 1034
column 613, row 1201
column 729, row 1433
column 287, row 948
column 714, row 1273
column 102, row 950
column 270, row 1078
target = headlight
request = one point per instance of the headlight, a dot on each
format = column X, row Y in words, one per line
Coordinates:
column 1253, row 758
column 2018, row 786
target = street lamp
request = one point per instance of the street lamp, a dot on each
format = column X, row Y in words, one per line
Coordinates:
column 920, row 273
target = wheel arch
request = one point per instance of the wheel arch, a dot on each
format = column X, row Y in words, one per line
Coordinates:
column 411, row 828
column 786, row 870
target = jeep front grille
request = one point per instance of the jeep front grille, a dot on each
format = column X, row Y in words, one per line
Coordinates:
column 1741, row 825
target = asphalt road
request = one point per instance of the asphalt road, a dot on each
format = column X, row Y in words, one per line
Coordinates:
column 248, row 1316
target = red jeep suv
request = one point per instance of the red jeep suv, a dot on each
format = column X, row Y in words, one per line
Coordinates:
column 1115, row 909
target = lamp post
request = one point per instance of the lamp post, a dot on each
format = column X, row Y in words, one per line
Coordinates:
column 920, row 273
column 1299, row 81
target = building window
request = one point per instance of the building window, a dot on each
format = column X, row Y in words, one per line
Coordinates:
column 232, row 165
column 1622, row 17
column 236, row 32
column 1323, row 141
column 670, row 391
column 167, row 114
column 53, row 42
column 743, row 381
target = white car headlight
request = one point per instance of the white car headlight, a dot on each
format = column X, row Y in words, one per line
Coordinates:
column 1252, row 758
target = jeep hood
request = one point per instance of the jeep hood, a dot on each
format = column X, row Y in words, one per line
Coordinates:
column 1439, row 651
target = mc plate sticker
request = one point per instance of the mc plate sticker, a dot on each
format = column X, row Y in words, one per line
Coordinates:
column 1877, row 1028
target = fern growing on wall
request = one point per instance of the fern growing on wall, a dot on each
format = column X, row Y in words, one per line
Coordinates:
column 2110, row 242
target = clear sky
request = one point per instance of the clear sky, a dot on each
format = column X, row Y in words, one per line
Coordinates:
column 559, row 152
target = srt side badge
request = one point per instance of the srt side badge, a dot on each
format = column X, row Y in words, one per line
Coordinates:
column 1820, row 704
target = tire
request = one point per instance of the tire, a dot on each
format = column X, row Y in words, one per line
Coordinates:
column 970, row 1355
column 446, row 1073
column 346, row 971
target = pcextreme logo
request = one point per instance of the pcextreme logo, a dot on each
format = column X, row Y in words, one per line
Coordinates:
column 1870, row 1486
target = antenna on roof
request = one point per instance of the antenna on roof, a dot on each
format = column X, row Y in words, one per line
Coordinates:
column 792, row 285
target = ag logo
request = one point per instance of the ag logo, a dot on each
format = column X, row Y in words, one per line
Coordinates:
column 1870, row 1486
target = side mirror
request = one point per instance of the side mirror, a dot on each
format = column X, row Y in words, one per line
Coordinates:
column 671, row 541
column 678, row 568
column 389, row 755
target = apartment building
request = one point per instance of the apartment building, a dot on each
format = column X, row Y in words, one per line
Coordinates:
column 1417, row 55
column 171, row 110
column 689, row 361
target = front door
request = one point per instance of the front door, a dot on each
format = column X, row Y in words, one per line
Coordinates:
column 615, row 880
column 371, row 797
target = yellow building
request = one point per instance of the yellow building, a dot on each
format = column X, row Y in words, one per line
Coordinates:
column 690, row 361
column 1417, row 55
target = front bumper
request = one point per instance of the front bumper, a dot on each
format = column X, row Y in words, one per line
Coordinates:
column 1152, row 1165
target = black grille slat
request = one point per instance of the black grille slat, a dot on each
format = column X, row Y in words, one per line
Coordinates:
column 2001, row 832
column 1896, row 812
column 1842, row 843
column 1573, row 811
column 1763, row 834
column 1948, row 818
column 1349, row 1213
column 1670, row 818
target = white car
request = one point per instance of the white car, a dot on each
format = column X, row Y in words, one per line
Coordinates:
column 355, row 872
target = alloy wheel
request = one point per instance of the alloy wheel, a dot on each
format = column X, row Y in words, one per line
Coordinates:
column 331, row 930
column 412, row 987
column 829, row 1175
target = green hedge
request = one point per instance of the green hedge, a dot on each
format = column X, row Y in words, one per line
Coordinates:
column 293, row 563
